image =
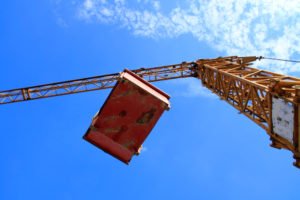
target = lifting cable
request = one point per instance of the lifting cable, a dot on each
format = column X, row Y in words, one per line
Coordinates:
column 278, row 59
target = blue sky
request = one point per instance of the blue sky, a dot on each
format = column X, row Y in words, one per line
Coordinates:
column 200, row 149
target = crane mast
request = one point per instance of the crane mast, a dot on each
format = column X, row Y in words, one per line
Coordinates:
column 270, row 100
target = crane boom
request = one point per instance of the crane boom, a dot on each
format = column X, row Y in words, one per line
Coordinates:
column 94, row 83
column 269, row 99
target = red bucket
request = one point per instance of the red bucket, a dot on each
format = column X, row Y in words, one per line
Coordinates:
column 127, row 117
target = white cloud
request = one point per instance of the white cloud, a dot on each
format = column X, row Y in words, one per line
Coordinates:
column 245, row 27
column 88, row 4
column 156, row 5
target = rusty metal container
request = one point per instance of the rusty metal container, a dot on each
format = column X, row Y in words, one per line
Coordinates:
column 127, row 117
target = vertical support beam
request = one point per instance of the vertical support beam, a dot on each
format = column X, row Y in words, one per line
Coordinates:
column 297, row 127
column 26, row 94
column 274, row 143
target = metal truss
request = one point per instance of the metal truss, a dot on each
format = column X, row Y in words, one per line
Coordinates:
column 251, row 91
column 93, row 83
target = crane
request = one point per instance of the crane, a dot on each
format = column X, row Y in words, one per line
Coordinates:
column 270, row 100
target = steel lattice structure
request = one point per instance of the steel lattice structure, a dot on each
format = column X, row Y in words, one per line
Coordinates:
column 93, row 83
column 258, row 94
column 253, row 92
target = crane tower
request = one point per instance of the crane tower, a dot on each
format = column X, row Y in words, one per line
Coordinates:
column 270, row 100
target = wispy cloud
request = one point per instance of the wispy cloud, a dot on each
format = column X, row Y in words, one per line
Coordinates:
column 244, row 27
column 59, row 19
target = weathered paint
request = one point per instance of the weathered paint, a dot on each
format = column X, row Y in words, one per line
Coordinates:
column 283, row 118
column 298, row 131
column 127, row 117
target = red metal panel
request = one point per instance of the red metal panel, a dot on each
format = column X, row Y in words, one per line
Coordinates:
column 127, row 117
